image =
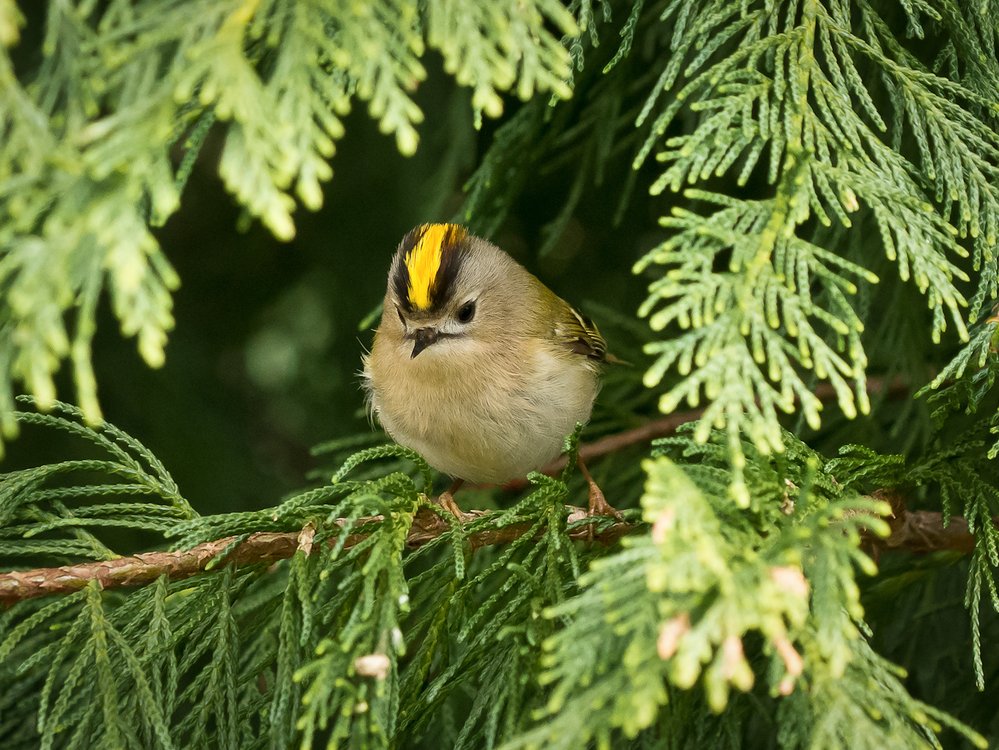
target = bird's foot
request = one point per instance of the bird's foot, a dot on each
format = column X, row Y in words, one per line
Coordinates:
column 598, row 505
column 446, row 501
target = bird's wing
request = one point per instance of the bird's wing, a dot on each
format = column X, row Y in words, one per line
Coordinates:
column 580, row 335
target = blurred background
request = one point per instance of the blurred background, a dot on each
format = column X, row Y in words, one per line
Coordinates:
column 264, row 359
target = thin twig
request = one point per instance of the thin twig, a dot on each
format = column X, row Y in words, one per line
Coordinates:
column 665, row 426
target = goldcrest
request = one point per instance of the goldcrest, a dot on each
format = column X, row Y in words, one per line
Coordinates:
column 476, row 365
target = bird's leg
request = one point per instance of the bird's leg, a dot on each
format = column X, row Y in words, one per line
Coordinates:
column 598, row 505
column 446, row 500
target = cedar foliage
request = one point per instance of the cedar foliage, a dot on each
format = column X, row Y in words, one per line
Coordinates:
column 832, row 169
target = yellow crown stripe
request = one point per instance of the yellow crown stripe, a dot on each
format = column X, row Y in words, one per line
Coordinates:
column 424, row 261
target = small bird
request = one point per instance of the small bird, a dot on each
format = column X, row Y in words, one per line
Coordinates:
column 478, row 366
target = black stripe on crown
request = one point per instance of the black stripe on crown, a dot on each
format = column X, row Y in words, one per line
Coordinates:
column 400, row 279
column 454, row 251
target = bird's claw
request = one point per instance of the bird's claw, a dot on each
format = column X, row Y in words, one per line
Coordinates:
column 446, row 501
column 598, row 505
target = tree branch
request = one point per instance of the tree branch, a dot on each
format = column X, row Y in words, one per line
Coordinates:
column 921, row 531
column 917, row 531
column 261, row 548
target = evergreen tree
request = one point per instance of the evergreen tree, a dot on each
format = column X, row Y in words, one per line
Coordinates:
column 807, row 556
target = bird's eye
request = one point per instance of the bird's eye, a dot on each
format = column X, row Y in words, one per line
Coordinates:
column 466, row 312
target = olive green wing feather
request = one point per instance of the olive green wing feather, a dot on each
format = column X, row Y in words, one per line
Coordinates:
column 580, row 335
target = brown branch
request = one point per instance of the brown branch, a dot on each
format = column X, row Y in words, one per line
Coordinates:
column 921, row 531
column 260, row 548
column 917, row 531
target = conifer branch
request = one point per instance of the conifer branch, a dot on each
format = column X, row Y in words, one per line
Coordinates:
column 912, row 531
column 919, row 531
column 259, row 548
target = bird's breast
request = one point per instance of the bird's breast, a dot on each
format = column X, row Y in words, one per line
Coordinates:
column 483, row 416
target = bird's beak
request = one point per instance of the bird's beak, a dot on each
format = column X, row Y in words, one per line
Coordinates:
column 424, row 337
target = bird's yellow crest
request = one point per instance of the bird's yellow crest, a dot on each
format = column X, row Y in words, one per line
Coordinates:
column 423, row 262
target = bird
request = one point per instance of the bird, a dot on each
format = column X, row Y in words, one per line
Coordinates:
column 476, row 365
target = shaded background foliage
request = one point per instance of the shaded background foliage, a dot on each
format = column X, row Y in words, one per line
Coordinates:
column 262, row 364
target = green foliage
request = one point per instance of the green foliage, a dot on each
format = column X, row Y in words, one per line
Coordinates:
column 358, row 640
column 965, row 384
column 818, row 165
column 58, row 512
column 355, row 640
column 960, row 465
column 679, row 607
column 816, row 97
column 85, row 147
